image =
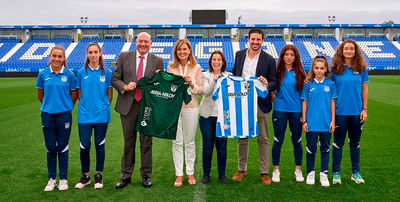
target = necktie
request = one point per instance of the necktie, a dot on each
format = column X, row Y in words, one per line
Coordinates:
column 139, row 75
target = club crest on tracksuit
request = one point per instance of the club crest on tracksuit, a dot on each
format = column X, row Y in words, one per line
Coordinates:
column 326, row 88
column 102, row 78
column 67, row 125
column 64, row 79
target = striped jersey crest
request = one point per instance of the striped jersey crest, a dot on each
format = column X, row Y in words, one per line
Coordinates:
column 236, row 99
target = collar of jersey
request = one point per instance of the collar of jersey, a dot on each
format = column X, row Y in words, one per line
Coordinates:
column 236, row 78
column 319, row 81
column 93, row 68
column 61, row 71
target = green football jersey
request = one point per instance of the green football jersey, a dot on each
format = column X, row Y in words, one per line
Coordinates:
column 162, row 99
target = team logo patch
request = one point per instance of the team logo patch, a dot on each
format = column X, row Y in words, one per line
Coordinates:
column 67, row 125
column 189, row 91
column 102, row 78
column 326, row 88
column 246, row 86
column 226, row 126
column 173, row 88
column 143, row 123
column 227, row 120
column 64, row 79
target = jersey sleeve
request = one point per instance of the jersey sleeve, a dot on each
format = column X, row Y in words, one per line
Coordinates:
column 333, row 90
column 78, row 79
column 217, row 87
column 39, row 81
column 262, row 90
column 364, row 76
column 187, row 96
column 72, row 81
column 108, row 78
column 304, row 94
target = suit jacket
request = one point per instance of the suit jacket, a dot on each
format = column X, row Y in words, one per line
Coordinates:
column 126, row 73
column 207, row 103
column 266, row 67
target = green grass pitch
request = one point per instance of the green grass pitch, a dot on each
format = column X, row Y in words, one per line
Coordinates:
column 23, row 172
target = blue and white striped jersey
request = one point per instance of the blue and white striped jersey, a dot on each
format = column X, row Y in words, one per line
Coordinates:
column 236, row 99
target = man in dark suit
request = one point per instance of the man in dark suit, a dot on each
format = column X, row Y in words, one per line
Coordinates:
column 131, row 66
column 256, row 62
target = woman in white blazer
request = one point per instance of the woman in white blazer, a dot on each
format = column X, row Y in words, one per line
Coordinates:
column 208, row 119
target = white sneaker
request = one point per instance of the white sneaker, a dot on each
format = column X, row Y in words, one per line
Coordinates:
column 311, row 178
column 276, row 176
column 323, row 178
column 63, row 185
column 51, row 184
column 298, row 175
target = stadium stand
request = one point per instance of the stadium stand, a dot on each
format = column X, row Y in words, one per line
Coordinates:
column 32, row 56
column 161, row 47
column 110, row 49
column 311, row 47
column 202, row 49
column 272, row 46
column 380, row 53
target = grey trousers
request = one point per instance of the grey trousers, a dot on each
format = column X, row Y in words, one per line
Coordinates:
column 263, row 145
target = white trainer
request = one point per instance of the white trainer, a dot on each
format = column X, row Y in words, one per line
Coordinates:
column 63, row 185
column 298, row 175
column 323, row 178
column 311, row 178
column 51, row 184
column 276, row 176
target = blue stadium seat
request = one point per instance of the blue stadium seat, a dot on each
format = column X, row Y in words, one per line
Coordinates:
column 33, row 55
column 110, row 50
column 311, row 47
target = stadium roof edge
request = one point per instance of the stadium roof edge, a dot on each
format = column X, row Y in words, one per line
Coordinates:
column 174, row 26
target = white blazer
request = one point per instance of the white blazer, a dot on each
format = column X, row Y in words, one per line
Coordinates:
column 207, row 103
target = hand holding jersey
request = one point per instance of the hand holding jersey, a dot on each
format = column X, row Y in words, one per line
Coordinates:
column 236, row 98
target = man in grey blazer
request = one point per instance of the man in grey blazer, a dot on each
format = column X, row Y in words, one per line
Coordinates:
column 131, row 66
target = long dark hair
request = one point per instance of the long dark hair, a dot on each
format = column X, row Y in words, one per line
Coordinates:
column 101, row 61
column 297, row 66
column 338, row 63
column 223, row 60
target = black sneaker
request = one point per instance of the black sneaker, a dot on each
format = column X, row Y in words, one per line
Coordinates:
column 85, row 180
column 223, row 179
column 206, row 179
column 98, row 181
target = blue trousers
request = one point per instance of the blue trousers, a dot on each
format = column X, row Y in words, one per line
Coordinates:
column 57, row 130
column 85, row 134
column 353, row 126
column 324, row 146
column 280, row 120
column 208, row 130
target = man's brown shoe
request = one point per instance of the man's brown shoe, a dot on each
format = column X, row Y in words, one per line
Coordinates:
column 265, row 179
column 239, row 176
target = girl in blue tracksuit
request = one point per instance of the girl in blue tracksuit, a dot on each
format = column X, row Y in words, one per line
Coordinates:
column 290, row 77
column 350, row 74
column 95, row 96
column 56, row 90
column 318, row 115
